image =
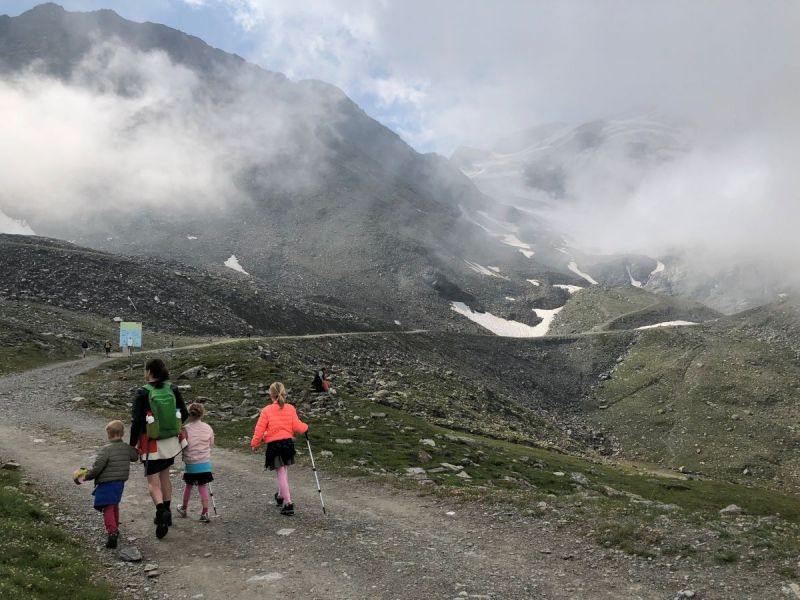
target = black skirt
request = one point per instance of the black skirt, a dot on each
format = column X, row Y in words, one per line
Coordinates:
column 280, row 453
column 151, row 467
column 198, row 478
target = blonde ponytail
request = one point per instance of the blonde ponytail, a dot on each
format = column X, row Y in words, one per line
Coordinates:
column 277, row 390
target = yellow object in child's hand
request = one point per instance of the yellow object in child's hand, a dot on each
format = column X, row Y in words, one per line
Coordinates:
column 80, row 475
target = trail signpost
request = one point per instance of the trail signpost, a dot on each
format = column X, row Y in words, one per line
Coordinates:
column 130, row 337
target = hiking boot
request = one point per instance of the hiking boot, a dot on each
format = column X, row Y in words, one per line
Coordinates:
column 111, row 542
column 287, row 510
column 162, row 524
column 278, row 499
column 204, row 518
column 169, row 517
column 181, row 512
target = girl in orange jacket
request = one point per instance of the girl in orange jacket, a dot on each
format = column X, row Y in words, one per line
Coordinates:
column 276, row 426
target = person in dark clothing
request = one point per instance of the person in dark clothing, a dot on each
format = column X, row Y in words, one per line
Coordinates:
column 158, row 455
column 84, row 348
column 319, row 381
column 107, row 348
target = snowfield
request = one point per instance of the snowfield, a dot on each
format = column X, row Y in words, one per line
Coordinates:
column 669, row 324
column 504, row 327
column 570, row 288
column 527, row 253
column 535, row 282
column 573, row 266
column 634, row 282
column 233, row 263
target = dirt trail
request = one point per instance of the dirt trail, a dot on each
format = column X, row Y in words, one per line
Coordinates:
column 376, row 542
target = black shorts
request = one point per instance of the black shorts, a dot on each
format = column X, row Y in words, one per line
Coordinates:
column 151, row 467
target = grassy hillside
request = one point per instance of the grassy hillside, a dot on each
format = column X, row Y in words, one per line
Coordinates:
column 32, row 335
column 603, row 308
column 402, row 421
column 39, row 559
column 712, row 399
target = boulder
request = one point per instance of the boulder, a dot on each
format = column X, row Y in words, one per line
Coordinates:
column 193, row 373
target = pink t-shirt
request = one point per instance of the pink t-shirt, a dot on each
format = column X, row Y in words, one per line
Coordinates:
column 200, row 437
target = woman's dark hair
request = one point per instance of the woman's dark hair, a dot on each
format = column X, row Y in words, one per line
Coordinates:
column 157, row 369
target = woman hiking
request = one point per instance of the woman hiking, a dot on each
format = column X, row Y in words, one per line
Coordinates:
column 156, row 417
column 277, row 425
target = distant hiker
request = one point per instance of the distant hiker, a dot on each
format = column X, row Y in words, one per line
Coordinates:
column 107, row 348
column 320, row 383
column 277, row 425
column 156, row 417
column 110, row 472
column 84, row 348
column 197, row 460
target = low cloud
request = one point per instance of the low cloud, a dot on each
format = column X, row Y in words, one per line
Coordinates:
column 132, row 132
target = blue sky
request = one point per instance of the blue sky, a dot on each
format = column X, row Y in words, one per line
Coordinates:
column 216, row 23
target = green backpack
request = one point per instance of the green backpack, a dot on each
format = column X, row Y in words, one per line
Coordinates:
column 164, row 408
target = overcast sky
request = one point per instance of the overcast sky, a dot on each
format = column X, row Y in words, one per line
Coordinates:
column 453, row 72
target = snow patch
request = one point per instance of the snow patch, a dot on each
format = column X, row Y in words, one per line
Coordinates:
column 570, row 288
column 233, row 263
column 191, row 237
column 547, row 317
column 659, row 268
column 527, row 253
column 510, row 299
column 504, row 327
column 396, row 322
column 669, row 324
column 562, row 250
column 573, row 266
column 535, row 282
column 634, row 282
column 495, row 269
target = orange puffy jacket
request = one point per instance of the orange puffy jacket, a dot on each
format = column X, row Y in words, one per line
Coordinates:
column 276, row 423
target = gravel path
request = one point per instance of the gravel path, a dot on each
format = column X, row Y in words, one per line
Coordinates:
column 376, row 542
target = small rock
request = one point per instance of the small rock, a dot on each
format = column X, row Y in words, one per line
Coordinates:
column 150, row 567
column 424, row 457
column 11, row 466
column 344, row 441
column 377, row 415
column 428, row 442
column 153, row 574
column 286, row 531
column 130, row 554
column 415, row 471
column 731, row 509
column 579, row 478
column 326, row 453
column 558, row 473
column 685, row 594
column 265, row 577
column 463, row 475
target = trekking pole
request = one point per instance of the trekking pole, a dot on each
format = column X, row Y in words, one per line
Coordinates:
column 314, row 468
column 213, row 502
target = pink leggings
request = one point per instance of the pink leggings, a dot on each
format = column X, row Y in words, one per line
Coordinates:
column 201, row 489
column 282, row 474
column 111, row 518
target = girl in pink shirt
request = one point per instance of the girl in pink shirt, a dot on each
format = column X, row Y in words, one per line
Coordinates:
column 277, row 425
column 197, row 459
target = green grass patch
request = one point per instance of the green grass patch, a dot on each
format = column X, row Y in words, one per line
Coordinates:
column 38, row 559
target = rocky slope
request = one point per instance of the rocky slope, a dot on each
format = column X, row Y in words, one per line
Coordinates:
column 166, row 296
column 306, row 191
